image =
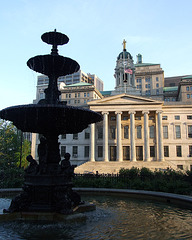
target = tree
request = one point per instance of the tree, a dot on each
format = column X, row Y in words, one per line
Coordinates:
column 13, row 149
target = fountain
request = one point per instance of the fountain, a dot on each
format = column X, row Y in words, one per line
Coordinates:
column 48, row 185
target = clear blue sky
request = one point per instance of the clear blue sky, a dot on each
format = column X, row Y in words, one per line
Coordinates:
column 160, row 30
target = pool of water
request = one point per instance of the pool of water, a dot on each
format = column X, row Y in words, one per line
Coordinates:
column 115, row 218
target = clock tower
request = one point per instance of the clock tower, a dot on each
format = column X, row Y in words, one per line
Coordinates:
column 125, row 73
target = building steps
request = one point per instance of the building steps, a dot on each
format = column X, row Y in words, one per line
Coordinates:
column 114, row 167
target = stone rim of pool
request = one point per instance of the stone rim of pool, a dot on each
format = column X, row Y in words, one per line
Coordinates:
column 169, row 198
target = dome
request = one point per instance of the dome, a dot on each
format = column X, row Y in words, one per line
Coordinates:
column 124, row 55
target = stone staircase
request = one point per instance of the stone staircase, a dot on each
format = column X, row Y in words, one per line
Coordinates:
column 114, row 167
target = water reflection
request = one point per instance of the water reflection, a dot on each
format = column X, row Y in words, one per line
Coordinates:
column 114, row 219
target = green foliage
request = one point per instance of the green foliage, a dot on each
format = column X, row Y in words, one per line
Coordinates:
column 129, row 173
column 13, row 151
column 21, row 155
column 143, row 179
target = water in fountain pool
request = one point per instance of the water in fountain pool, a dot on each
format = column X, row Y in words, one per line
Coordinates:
column 114, row 218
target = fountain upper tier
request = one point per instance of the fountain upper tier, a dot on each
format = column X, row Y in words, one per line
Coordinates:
column 53, row 64
column 50, row 118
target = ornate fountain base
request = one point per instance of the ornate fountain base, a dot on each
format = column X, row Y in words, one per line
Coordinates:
column 46, row 193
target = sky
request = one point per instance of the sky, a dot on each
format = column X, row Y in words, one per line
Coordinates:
column 160, row 30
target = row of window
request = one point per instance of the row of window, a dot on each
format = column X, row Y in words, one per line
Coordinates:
column 147, row 79
column 189, row 88
column 76, row 136
column 77, row 101
column 177, row 131
column 139, row 86
column 75, row 151
column 68, row 95
column 177, row 117
column 100, row 151
column 170, row 99
column 112, row 132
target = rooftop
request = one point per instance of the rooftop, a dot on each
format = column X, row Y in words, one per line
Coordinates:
column 79, row 84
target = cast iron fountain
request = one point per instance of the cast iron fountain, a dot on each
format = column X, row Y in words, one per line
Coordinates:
column 48, row 186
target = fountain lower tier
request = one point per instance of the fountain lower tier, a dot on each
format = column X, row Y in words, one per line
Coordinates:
column 53, row 119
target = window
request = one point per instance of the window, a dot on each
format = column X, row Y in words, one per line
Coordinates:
column 177, row 117
column 152, row 151
column 151, row 131
column 151, row 117
column 157, row 85
column 63, row 136
column 88, row 94
column 137, row 117
column 41, row 95
column 147, row 79
column 87, row 133
column 126, row 132
column 177, row 131
column 85, row 94
column 166, row 151
column 75, row 151
column 100, row 151
column 147, row 92
column 75, row 95
column 75, row 136
column 157, row 91
column 138, row 80
column 112, row 132
column 63, row 151
column 139, row 136
column 178, row 151
column 189, row 117
column 165, row 132
column 164, row 118
column 189, row 131
column 125, row 118
column 157, row 79
column 113, row 118
column 187, row 88
column 188, row 96
column 190, row 150
column 78, row 94
column 69, row 95
column 86, row 151
column 100, row 132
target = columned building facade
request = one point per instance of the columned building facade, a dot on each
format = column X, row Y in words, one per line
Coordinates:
column 131, row 129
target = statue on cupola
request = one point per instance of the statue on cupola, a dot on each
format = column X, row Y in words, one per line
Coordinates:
column 125, row 73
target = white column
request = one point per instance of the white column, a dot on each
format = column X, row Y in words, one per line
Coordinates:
column 92, row 150
column 146, row 136
column 119, row 143
column 160, row 142
column 105, row 136
column 132, row 135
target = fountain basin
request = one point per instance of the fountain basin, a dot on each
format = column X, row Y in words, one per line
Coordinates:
column 116, row 217
column 50, row 118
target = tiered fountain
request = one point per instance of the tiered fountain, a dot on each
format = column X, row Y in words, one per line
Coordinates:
column 48, row 186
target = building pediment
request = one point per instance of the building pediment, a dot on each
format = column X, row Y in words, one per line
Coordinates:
column 125, row 99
